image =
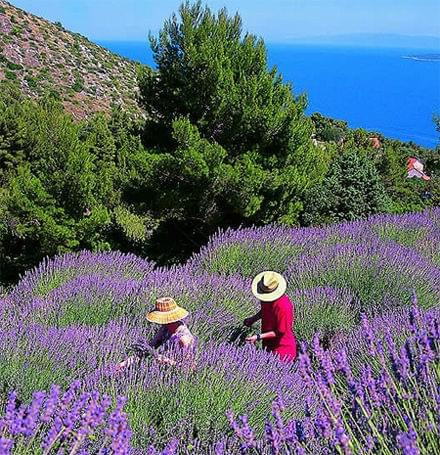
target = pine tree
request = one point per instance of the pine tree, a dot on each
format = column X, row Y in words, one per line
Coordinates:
column 351, row 190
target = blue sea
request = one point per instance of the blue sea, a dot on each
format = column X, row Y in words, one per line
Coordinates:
column 375, row 89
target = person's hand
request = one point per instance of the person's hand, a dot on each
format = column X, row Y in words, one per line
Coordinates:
column 125, row 364
column 251, row 339
column 248, row 322
column 165, row 360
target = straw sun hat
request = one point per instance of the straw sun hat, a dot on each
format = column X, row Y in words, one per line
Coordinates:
column 166, row 312
column 268, row 286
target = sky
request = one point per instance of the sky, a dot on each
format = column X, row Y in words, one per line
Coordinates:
column 274, row 20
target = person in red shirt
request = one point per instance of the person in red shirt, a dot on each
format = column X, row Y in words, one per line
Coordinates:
column 276, row 316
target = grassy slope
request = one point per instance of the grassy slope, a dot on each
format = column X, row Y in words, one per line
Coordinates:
column 41, row 56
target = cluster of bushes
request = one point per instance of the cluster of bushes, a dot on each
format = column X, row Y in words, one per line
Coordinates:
column 368, row 175
column 61, row 182
column 225, row 142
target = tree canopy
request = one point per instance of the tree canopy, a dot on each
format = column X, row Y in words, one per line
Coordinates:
column 216, row 77
column 225, row 143
column 351, row 190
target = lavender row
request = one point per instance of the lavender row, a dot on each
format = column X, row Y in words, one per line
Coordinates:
column 390, row 405
column 250, row 250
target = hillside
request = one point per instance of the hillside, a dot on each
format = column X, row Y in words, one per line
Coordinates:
column 44, row 57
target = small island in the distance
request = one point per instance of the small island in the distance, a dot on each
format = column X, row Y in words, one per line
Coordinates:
column 424, row 57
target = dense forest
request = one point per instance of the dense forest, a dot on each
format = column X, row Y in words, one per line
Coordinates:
column 223, row 142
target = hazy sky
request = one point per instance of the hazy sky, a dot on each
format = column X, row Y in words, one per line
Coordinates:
column 274, row 20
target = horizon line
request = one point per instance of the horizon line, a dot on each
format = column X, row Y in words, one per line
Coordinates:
column 286, row 40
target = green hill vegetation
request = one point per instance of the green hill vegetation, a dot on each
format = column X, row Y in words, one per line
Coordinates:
column 42, row 57
column 223, row 142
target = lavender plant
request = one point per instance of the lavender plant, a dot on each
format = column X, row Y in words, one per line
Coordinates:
column 71, row 422
column 392, row 410
column 52, row 273
column 196, row 397
column 379, row 275
column 326, row 310
column 362, row 383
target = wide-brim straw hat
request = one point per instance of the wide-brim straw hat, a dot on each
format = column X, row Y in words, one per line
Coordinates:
column 269, row 286
column 166, row 312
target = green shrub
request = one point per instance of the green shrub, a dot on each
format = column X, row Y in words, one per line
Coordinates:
column 332, row 134
column 32, row 82
column 14, row 66
column 351, row 190
column 53, row 93
column 76, row 49
column 78, row 86
column 108, row 65
column 44, row 72
column 10, row 75
column 16, row 31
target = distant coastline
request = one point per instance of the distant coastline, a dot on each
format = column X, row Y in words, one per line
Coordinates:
column 353, row 84
column 424, row 58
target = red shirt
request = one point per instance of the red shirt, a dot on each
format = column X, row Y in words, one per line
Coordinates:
column 277, row 316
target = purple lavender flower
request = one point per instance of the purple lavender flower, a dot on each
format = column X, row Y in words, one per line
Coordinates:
column 437, row 402
column 118, row 429
column 32, row 415
column 6, row 446
column 327, row 395
column 7, row 420
column 408, row 444
column 324, row 424
column 249, row 439
column 369, row 336
column 171, row 448
column 325, row 360
column 342, row 439
column 291, row 437
column 219, row 448
column 52, row 435
column 277, row 409
column 242, row 431
column 51, row 403
column 305, row 367
column 370, row 443
column 369, row 385
column 273, row 438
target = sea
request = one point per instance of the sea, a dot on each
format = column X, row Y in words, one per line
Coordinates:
column 379, row 89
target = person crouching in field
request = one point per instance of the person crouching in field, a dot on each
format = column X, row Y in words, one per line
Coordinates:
column 276, row 316
column 173, row 333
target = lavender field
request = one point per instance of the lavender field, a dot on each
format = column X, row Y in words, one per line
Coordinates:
column 367, row 316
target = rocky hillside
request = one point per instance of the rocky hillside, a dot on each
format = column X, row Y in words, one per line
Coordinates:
column 43, row 57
